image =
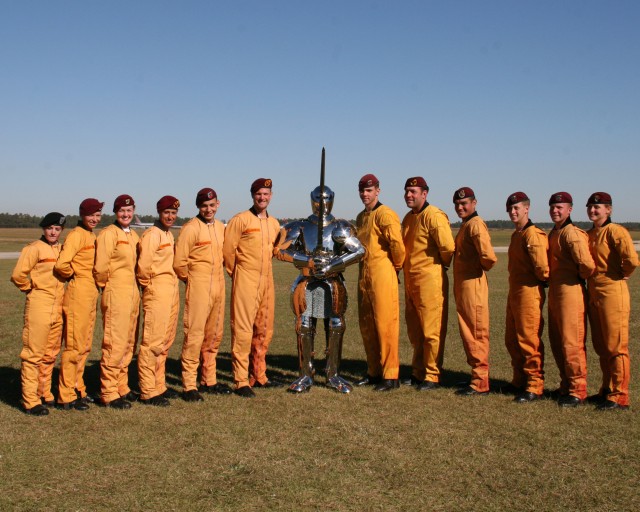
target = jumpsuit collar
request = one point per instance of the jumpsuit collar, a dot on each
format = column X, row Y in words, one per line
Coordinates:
column 201, row 219
column 566, row 223
column 424, row 207
column 159, row 225
column 474, row 214
column 527, row 225
column 82, row 225
column 117, row 224
column 43, row 239
column 378, row 205
column 253, row 210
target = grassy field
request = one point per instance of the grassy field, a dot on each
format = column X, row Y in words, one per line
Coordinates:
column 399, row 451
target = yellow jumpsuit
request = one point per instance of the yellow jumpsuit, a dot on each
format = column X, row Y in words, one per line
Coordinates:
column 160, row 303
column 79, row 310
column 528, row 271
column 198, row 262
column 473, row 258
column 429, row 247
column 42, row 330
column 569, row 265
column 378, row 304
column 115, row 274
column 248, row 249
column 609, row 306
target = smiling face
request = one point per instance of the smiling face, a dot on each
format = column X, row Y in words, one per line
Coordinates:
column 52, row 234
column 91, row 221
column 519, row 214
column 559, row 213
column 208, row 209
column 261, row 199
column 124, row 215
column 168, row 217
column 369, row 197
column 415, row 197
column 598, row 213
column 465, row 207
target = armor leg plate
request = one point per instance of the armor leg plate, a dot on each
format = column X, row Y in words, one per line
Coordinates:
column 334, row 355
column 339, row 384
column 301, row 385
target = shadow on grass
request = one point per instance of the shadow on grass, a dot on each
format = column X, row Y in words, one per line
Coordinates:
column 280, row 367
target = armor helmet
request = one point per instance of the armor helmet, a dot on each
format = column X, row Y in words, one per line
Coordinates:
column 327, row 198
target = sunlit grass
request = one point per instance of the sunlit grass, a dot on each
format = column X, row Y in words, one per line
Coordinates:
column 389, row 452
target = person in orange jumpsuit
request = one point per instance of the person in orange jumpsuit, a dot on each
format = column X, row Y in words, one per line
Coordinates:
column 609, row 303
column 198, row 263
column 41, row 336
column 570, row 264
column 473, row 258
column 248, row 248
column 429, row 247
column 160, row 302
column 378, row 229
column 115, row 274
column 528, row 276
column 75, row 265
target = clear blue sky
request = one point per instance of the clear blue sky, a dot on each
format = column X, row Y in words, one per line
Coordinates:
column 155, row 97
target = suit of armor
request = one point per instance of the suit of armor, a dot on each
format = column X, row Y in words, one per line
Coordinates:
column 319, row 290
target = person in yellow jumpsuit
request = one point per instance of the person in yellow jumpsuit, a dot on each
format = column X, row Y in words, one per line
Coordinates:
column 429, row 247
column 570, row 264
column 473, row 258
column 115, row 274
column 75, row 265
column 249, row 241
column 160, row 302
column 198, row 263
column 609, row 303
column 41, row 335
column 378, row 229
column 528, row 275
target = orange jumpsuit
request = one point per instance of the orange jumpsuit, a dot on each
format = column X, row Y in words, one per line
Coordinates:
column 248, row 249
column 473, row 258
column 79, row 310
column 378, row 303
column 160, row 303
column 115, row 274
column 198, row 262
column 528, row 271
column 429, row 247
column 42, row 330
column 569, row 265
column 609, row 306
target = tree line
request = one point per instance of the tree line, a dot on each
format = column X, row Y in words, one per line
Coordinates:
column 24, row 220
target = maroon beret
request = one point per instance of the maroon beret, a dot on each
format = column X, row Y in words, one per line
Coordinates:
column 53, row 219
column 560, row 197
column 260, row 183
column 515, row 198
column 90, row 206
column 206, row 194
column 599, row 198
column 167, row 203
column 463, row 193
column 123, row 200
column 417, row 181
column 368, row 180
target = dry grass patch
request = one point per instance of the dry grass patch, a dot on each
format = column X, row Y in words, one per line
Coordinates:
column 383, row 452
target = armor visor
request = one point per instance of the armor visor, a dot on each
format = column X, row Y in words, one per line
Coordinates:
column 327, row 198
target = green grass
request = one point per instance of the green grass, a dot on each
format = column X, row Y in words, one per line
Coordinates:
column 385, row 452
